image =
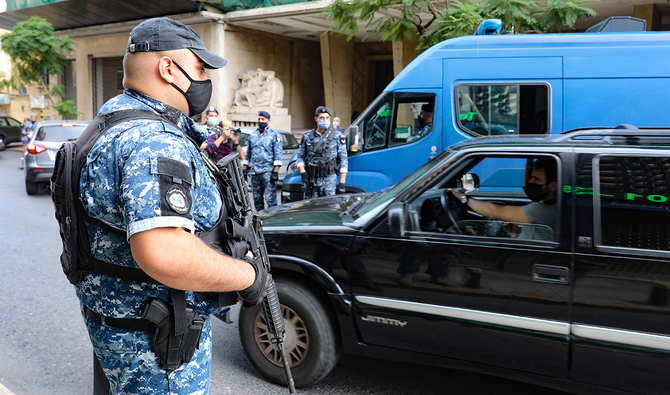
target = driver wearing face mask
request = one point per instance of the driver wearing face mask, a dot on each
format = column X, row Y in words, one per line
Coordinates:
column 540, row 187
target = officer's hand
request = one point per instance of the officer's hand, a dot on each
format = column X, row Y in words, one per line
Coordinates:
column 304, row 176
column 274, row 177
column 255, row 293
column 341, row 188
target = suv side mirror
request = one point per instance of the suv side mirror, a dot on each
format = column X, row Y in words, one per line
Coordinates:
column 354, row 140
column 396, row 213
column 470, row 181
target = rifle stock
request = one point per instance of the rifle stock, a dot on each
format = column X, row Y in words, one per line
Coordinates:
column 248, row 226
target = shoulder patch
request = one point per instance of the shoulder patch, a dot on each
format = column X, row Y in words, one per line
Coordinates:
column 343, row 140
column 177, row 200
column 279, row 137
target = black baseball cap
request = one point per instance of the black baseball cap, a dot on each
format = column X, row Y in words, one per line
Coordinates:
column 165, row 34
column 322, row 110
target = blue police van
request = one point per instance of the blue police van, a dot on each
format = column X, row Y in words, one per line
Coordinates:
column 505, row 84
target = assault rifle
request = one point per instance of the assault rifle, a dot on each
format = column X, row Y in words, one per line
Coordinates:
column 248, row 227
column 310, row 185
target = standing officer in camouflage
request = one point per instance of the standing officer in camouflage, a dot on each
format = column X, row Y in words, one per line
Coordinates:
column 322, row 155
column 264, row 158
column 150, row 194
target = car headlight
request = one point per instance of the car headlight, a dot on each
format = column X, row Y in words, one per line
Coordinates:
column 292, row 167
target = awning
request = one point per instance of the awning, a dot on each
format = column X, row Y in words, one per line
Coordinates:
column 71, row 14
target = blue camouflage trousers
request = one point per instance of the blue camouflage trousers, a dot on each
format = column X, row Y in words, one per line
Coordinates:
column 325, row 186
column 262, row 187
column 132, row 367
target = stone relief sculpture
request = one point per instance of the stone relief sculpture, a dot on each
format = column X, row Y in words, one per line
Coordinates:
column 259, row 88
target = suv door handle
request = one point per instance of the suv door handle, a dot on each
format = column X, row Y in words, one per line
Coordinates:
column 551, row 274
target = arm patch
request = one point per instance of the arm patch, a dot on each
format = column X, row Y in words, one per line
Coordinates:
column 174, row 181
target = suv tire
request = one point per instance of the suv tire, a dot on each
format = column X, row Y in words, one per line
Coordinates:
column 311, row 344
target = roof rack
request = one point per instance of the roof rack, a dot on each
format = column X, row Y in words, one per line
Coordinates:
column 631, row 133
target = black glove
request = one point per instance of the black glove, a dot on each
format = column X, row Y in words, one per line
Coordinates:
column 255, row 293
column 341, row 188
column 305, row 177
column 274, row 177
column 245, row 173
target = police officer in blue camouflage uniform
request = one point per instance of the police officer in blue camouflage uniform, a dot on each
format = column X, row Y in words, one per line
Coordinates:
column 146, row 179
column 263, row 160
column 322, row 161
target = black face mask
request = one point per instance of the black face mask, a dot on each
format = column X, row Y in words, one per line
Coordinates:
column 197, row 95
column 535, row 191
column 262, row 125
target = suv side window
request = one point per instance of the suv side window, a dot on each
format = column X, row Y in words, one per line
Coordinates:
column 633, row 202
column 502, row 183
column 503, row 109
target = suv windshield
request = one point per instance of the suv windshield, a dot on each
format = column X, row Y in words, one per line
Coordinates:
column 377, row 199
column 59, row 133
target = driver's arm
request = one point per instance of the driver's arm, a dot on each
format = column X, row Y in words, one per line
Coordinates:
column 495, row 211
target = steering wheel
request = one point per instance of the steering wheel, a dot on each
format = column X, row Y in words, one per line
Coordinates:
column 453, row 210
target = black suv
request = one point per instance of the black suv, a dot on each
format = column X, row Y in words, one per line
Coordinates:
column 579, row 303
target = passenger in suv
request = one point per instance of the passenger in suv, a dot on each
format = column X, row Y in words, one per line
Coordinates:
column 540, row 187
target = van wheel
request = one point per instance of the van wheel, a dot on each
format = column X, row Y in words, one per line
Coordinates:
column 31, row 188
column 311, row 344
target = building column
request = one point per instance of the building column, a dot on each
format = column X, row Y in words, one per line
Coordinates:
column 403, row 53
column 651, row 14
column 337, row 66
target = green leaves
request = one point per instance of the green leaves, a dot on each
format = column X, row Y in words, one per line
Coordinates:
column 33, row 46
column 35, row 49
column 397, row 20
column 66, row 109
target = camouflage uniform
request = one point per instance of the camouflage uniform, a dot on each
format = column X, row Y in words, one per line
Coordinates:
column 325, row 186
column 120, row 186
column 421, row 132
column 264, row 152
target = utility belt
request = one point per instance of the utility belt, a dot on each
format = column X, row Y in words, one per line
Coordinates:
column 317, row 168
column 176, row 328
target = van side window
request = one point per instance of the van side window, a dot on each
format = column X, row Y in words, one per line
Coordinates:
column 634, row 199
column 491, row 110
column 377, row 124
column 413, row 120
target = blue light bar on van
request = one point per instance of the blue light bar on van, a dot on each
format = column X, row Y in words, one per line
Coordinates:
column 489, row 26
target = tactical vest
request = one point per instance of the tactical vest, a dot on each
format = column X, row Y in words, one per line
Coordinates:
column 319, row 156
column 77, row 261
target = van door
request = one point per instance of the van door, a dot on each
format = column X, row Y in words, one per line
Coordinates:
column 621, row 301
column 400, row 132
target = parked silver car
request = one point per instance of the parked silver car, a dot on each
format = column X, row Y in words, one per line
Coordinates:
column 289, row 144
column 40, row 153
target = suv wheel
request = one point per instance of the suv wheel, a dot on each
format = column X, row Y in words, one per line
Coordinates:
column 2, row 143
column 31, row 188
column 311, row 344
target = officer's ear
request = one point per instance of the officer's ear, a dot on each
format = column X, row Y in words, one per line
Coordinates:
column 165, row 64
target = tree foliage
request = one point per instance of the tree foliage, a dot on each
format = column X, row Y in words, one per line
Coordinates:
column 36, row 51
column 397, row 20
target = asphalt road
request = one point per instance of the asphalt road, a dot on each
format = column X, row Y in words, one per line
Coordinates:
column 44, row 346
